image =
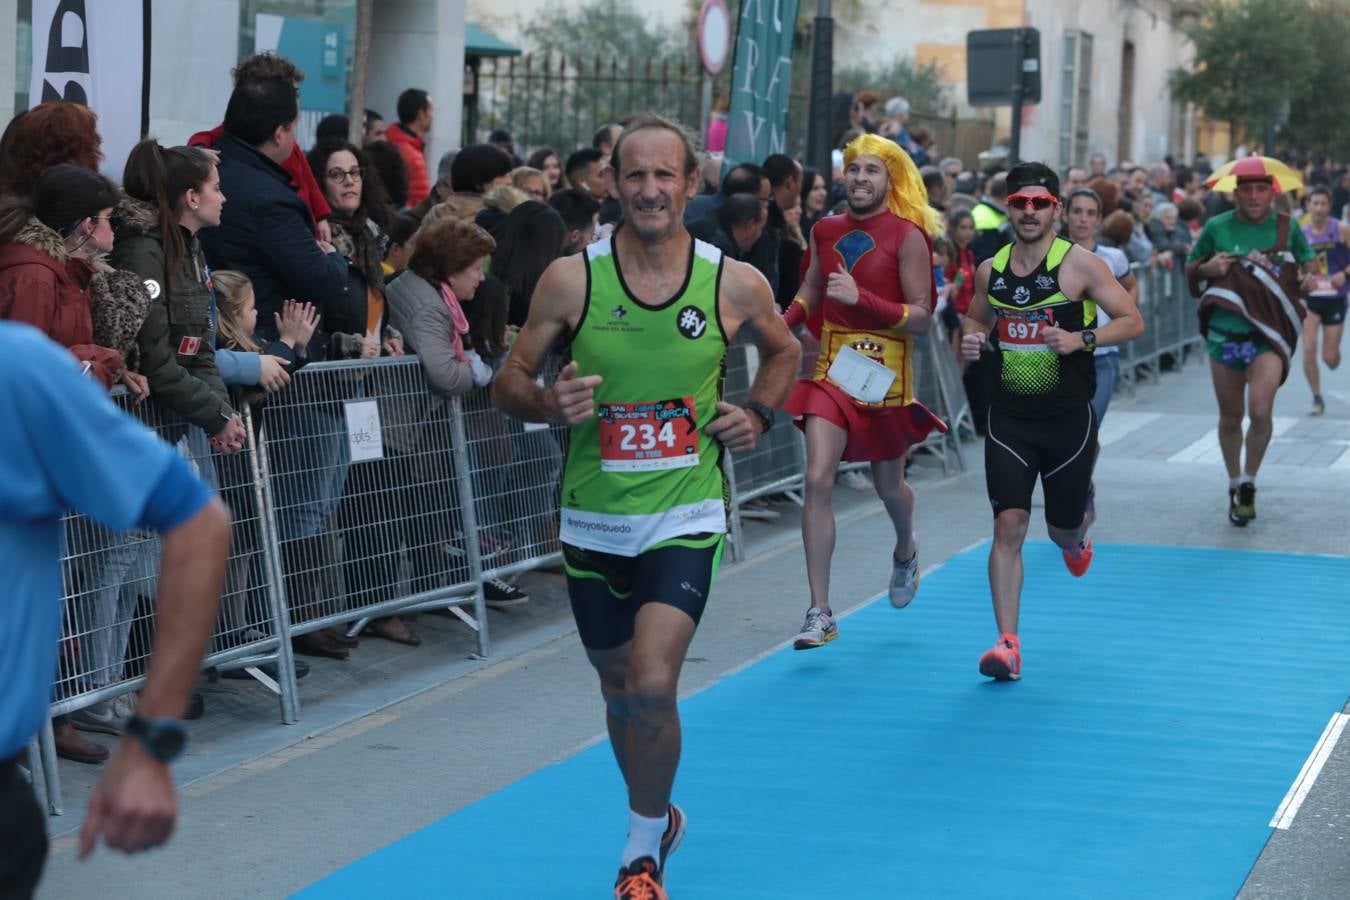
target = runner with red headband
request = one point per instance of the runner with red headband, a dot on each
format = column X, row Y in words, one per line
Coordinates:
column 1041, row 293
column 868, row 290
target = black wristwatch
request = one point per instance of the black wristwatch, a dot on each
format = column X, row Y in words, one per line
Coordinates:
column 164, row 739
column 1089, row 339
column 765, row 415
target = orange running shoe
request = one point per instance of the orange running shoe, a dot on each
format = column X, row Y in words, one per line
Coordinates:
column 1080, row 558
column 1003, row 661
column 640, row 881
column 670, row 841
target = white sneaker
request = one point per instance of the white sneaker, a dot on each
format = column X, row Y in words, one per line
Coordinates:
column 905, row 579
column 817, row 631
column 855, row 480
column 99, row 718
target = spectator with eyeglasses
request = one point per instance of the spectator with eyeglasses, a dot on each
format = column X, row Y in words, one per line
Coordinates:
column 49, row 254
column 360, row 222
column 532, row 181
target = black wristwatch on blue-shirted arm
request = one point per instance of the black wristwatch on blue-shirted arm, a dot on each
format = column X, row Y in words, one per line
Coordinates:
column 164, row 739
column 764, row 413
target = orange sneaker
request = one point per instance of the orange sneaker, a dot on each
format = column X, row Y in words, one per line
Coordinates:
column 670, row 841
column 1003, row 661
column 1080, row 558
column 640, row 881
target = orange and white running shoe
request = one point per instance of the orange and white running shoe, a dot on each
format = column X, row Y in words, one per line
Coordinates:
column 1079, row 559
column 1003, row 661
column 640, row 881
column 675, row 828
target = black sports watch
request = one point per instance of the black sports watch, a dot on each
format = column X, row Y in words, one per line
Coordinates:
column 1089, row 339
column 164, row 739
column 765, row 415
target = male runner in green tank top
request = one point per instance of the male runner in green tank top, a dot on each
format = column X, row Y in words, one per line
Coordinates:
column 1042, row 293
column 649, row 313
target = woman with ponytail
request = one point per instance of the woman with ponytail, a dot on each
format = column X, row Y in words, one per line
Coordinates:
column 170, row 195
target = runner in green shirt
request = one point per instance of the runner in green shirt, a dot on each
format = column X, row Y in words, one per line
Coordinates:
column 649, row 314
column 1245, row 369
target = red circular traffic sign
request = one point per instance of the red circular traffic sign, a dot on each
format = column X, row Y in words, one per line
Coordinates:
column 714, row 35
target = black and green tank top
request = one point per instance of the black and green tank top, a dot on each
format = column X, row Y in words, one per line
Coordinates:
column 644, row 471
column 1035, row 381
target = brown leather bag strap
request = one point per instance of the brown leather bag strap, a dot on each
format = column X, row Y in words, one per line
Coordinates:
column 1281, row 232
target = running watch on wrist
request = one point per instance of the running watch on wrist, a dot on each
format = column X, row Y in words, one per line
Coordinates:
column 164, row 739
column 1089, row 339
column 765, row 415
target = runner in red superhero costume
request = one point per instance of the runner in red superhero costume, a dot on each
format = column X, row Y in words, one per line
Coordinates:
column 868, row 290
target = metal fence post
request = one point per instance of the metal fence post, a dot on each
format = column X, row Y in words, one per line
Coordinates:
column 733, row 508
column 276, row 585
column 459, row 450
column 45, row 764
column 955, row 408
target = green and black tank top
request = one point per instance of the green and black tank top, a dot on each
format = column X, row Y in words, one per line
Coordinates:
column 643, row 470
column 1035, row 381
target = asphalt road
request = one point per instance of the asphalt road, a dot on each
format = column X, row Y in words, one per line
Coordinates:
column 399, row 737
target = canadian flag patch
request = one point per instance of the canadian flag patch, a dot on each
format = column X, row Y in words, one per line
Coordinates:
column 189, row 346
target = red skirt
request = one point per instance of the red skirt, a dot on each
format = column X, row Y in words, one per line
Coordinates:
column 875, row 433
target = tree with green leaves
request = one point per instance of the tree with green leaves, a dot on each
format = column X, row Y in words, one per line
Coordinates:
column 597, row 62
column 922, row 84
column 1264, row 65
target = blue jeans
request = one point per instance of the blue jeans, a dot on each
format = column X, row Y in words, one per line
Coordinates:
column 1108, row 372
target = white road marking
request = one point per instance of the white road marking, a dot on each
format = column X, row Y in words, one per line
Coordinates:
column 1206, row 449
column 1342, row 462
column 1120, row 424
column 1307, row 776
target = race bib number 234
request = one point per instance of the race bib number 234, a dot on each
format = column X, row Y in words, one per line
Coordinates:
column 648, row 437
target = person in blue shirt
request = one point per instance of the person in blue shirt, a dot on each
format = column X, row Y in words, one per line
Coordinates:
column 68, row 447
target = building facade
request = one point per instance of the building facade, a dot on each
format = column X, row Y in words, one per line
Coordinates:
column 1104, row 68
column 194, row 45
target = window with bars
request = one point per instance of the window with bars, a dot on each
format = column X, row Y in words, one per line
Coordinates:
column 1075, row 98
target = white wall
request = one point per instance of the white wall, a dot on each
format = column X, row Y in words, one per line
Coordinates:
column 1157, row 48
column 420, row 43
column 9, row 18
column 193, row 47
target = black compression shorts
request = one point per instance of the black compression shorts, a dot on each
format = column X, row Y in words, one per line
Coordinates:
column 1331, row 310
column 1059, row 449
column 607, row 590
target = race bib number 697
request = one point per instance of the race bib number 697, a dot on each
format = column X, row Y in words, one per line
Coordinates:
column 1023, row 331
column 647, row 437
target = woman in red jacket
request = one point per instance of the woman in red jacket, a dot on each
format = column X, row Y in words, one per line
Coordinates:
column 50, row 249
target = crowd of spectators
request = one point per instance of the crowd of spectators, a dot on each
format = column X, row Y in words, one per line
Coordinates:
column 217, row 270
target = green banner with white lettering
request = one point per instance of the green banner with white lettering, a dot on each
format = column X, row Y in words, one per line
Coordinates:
column 761, row 79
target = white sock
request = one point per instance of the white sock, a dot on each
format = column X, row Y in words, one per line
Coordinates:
column 1248, row 479
column 1233, row 483
column 644, row 838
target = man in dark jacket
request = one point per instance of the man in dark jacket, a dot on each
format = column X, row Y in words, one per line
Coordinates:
column 785, row 185
column 264, row 230
column 744, row 179
column 264, row 233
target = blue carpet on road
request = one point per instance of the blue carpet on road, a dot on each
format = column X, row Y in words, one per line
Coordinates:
column 1169, row 699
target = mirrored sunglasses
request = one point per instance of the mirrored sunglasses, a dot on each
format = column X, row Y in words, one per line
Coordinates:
column 1036, row 201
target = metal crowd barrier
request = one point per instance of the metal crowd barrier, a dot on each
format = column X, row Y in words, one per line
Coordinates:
column 777, row 465
column 1171, row 328
column 370, row 485
column 110, row 583
column 361, row 494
